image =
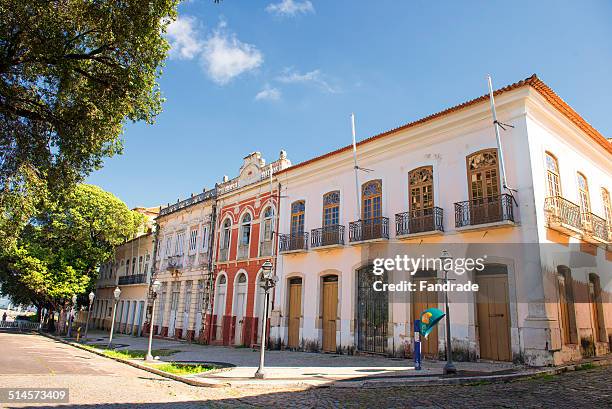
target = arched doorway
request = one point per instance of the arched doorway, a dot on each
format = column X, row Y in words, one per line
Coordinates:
column 597, row 313
column 372, row 312
column 239, row 307
column 295, row 312
column 567, row 313
column 422, row 300
column 219, row 305
column 329, row 312
column 493, row 313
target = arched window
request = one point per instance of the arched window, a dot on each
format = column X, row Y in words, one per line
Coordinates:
column 553, row 182
column 483, row 174
column 267, row 224
column 331, row 208
column 420, row 182
column 371, row 199
column 266, row 232
column 245, row 235
column 583, row 193
column 605, row 198
column 297, row 217
column 227, row 230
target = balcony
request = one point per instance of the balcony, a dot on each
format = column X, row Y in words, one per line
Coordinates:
column 243, row 251
column 596, row 228
column 174, row 263
column 374, row 229
column 327, row 237
column 494, row 211
column 419, row 223
column 293, row 243
column 223, row 254
column 133, row 279
column 563, row 215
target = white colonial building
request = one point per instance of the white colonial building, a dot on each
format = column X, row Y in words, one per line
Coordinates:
column 436, row 184
column 183, row 258
column 130, row 270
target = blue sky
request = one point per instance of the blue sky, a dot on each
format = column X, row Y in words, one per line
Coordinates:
column 262, row 76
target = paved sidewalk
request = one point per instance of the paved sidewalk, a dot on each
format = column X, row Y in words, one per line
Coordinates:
column 302, row 368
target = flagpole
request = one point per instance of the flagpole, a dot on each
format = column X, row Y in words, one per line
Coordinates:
column 356, row 168
column 497, row 134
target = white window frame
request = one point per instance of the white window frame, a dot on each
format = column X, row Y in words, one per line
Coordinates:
column 204, row 248
column 193, row 240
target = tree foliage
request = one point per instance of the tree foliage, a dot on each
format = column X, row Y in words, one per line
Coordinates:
column 72, row 72
column 59, row 252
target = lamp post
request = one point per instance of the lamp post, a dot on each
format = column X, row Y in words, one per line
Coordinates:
column 156, row 285
column 116, row 294
column 91, row 300
column 269, row 283
column 71, row 316
column 449, row 368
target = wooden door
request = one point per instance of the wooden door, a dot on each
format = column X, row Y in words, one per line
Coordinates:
column 493, row 313
column 295, row 312
column 421, row 301
column 483, row 182
column 239, row 313
column 330, row 312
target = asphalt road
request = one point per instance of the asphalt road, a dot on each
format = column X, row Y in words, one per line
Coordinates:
column 98, row 382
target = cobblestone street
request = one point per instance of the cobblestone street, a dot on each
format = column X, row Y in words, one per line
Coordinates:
column 97, row 382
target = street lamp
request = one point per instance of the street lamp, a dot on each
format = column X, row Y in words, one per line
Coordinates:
column 269, row 282
column 71, row 316
column 116, row 293
column 156, row 285
column 449, row 368
column 91, row 300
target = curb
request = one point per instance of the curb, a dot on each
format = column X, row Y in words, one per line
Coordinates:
column 433, row 381
column 189, row 381
column 366, row 383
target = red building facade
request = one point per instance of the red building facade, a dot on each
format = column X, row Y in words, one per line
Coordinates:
column 247, row 215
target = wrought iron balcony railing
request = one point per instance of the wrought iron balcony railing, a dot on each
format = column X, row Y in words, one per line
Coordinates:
column 133, row 279
column 369, row 229
column 327, row 236
column 419, row 221
column 562, row 212
column 292, row 242
column 484, row 210
column 595, row 226
column 174, row 263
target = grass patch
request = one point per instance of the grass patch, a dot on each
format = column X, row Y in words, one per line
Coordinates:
column 182, row 369
column 137, row 353
column 584, row 367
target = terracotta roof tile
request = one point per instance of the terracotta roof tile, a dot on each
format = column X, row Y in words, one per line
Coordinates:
column 532, row 81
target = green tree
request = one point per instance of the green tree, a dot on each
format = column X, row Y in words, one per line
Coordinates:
column 72, row 72
column 59, row 252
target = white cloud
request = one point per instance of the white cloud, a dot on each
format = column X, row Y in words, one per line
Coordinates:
column 226, row 57
column 183, row 38
column 289, row 76
column 268, row 94
column 290, row 8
